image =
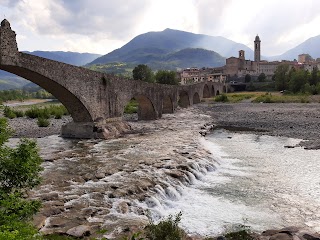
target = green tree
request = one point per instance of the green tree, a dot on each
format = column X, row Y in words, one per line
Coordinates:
column 280, row 77
column 247, row 78
column 19, row 172
column 314, row 77
column 262, row 77
column 166, row 77
column 297, row 81
column 143, row 72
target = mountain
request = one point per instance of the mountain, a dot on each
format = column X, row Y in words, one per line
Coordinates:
column 189, row 57
column 147, row 47
column 11, row 81
column 310, row 46
column 74, row 58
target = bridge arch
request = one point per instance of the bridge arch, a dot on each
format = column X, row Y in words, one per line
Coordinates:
column 167, row 105
column 74, row 104
column 196, row 98
column 146, row 109
column 213, row 91
column 206, row 91
column 184, row 101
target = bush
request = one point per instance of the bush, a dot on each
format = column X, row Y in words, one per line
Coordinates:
column 166, row 229
column 132, row 107
column 43, row 122
column 19, row 172
column 221, row 98
column 18, row 113
column 9, row 113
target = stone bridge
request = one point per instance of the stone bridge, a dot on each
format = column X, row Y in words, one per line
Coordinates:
column 95, row 100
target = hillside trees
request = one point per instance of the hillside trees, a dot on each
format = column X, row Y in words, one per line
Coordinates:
column 19, row 172
column 143, row 72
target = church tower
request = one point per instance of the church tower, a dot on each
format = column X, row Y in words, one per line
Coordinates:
column 257, row 49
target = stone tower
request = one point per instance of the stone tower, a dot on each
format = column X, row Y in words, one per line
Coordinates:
column 257, row 49
column 8, row 44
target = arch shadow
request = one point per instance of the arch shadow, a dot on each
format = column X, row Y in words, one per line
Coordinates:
column 146, row 110
column 206, row 91
column 213, row 91
column 196, row 98
column 184, row 101
column 167, row 105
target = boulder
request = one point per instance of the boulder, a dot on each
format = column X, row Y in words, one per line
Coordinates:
column 79, row 231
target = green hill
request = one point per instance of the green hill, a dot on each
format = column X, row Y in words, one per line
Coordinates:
column 190, row 57
column 147, row 48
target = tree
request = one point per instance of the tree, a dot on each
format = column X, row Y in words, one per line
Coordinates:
column 262, row 77
column 247, row 78
column 297, row 81
column 143, row 72
column 19, row 172
column 280, row 77
column 314, row 77
column 166, row 77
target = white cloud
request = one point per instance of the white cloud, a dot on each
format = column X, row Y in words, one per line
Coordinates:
column 101, row 26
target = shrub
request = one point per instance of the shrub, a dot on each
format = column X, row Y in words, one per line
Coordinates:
column 8, row 112
column 43, row 122
column 18, row 113
column 19, row 172
column 221, row 98
column 166, row 229
column 132, row 107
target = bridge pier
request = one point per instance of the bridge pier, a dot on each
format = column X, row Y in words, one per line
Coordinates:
column 98, row 130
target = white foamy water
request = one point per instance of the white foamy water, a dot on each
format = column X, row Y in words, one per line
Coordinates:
column 257, row 182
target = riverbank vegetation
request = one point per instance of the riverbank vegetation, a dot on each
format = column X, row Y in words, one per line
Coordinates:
column 19, row 172
column 267, row 97
column 20, row 95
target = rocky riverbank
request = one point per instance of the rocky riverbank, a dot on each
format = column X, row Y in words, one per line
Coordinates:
column 93, row 184
column 296, row 120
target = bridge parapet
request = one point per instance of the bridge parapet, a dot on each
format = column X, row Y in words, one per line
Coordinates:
column 9, row 54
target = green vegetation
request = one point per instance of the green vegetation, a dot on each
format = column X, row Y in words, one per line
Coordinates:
column 43, row 122
column 286, row 98
column 131, row 107
column 266, row 97
column 37, row 112
column 297, row 80
column 19, row 172
column 7, row 95
column 234, row 97
column 221, row 98
column 166, row 77
column 166, row 229
column 144, row 73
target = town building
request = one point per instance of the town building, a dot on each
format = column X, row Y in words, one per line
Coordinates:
column 239, row 67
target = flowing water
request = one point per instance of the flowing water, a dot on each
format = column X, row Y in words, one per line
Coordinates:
column 217, row 182
column 259, row 181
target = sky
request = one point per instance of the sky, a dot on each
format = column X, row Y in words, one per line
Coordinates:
column 100, row 26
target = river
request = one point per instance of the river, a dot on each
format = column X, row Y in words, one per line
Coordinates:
column 260, row 181
column 217, row 182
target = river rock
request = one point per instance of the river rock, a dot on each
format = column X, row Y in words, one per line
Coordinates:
column 50, row 196
column 79, row 231
column 123, row 207
column 39, row 221
column 281, row 236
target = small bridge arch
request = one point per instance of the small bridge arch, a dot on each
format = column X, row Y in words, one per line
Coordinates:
column 196, row 98
column 206, row 91
column 184, row 100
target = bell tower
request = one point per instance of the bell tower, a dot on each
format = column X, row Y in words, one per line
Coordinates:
column 257, row 49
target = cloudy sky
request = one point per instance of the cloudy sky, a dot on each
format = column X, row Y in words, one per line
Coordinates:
column 100, row 26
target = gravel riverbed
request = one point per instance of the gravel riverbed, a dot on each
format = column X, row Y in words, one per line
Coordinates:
column 96, row 184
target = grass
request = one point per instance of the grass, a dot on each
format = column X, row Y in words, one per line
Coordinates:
column 265, row 97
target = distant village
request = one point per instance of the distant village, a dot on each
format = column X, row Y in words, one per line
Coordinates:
column 238, row 67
